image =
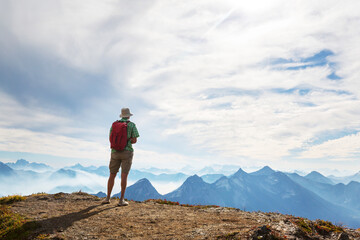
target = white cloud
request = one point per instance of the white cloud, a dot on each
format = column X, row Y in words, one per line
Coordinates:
column 22, row 140
column 341, row 149
column 171, row 53
column 271, row 124
column 148, row 158
column 31, row 116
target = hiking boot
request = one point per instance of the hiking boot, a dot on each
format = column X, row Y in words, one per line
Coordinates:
column 123, row 203
column 106, row 201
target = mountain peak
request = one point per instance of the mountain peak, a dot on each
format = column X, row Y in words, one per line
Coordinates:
column 194, row 179
column 240, row 172
column 143, row 181
column 314, row 173
column 141, row 190
column 318, row 177
column 22, row 162
column 264, row 171
column 61, row 173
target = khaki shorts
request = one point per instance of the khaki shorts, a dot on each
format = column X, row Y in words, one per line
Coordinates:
column 121, row 158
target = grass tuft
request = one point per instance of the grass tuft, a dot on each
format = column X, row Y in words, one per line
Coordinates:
column 43, row 236
column 39, row 194
column 11, row 199
column 228, row 236
column 14, row 226
column 81, row 193
column 320, row 227
column 326, row 227
column 167, row 202
column 304, row 225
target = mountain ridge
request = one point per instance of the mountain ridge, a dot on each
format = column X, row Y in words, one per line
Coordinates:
column 272, row 192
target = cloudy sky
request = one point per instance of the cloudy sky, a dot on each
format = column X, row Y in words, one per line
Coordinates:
column 247, row 83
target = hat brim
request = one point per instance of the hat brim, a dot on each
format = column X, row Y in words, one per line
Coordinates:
column 126, row 115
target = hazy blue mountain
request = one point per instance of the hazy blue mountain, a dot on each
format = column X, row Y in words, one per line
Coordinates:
column 63, row 173
column 78, row 166
column 318, row 177
column 5, row 170
column 352, row 195
column 340, row 194
column 140, row 191
column 29, row 174
column 355, row 177
column 193, row 191
column 22, row 164
column 164, row 177
column 228, row 169
column 100, row 194
column 264, row 171
column 346, row 179
column 211, row 178
column 174, row 177
column 301, row 173
column 218, row 169
column 134, row 174
column 101, row 171
column 155, row 170
column 265, row 191
column 306, row 182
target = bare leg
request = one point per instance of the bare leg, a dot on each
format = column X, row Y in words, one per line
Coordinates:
column 123, row 184
column 110, row 185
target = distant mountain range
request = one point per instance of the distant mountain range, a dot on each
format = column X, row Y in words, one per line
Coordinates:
column 340, row 194
column 312, row 195
column 264, row 190
column 346, row 179
column 22, row 164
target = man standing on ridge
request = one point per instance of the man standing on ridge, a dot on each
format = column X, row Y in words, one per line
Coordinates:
column 121, row 157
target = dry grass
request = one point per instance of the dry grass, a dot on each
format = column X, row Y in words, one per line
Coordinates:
column 38, row 194
column 320, row 227
column 11, row 199
column 14, row 226
column 167, row 202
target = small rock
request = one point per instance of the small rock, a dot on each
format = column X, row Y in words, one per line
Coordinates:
column 343, row 236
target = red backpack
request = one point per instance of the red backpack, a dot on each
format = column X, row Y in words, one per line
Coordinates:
column 118, row 137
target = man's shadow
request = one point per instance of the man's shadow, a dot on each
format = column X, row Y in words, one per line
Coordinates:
column 58, row 224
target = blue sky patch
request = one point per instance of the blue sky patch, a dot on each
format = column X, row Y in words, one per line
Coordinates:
column 331, row 135
column 300, row 91
column 222, row 92
column 333, row 76
column 317, row 60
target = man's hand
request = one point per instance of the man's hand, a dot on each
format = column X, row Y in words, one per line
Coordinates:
column 133, row 140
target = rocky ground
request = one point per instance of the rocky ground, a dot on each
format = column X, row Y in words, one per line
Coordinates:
column 81, row 216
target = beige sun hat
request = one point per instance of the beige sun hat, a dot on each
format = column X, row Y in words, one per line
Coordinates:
column 125, row 112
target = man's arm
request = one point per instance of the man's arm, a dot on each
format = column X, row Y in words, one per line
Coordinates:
column 134, row 135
